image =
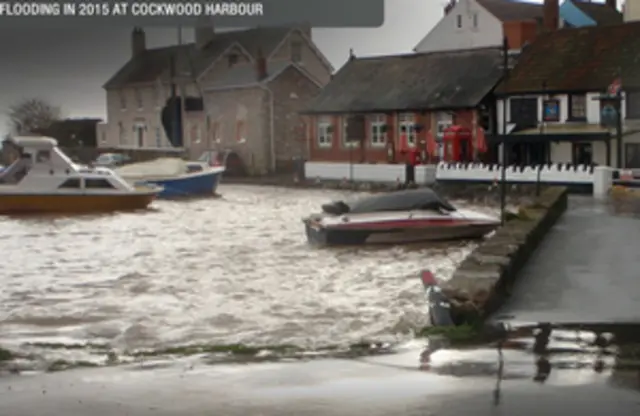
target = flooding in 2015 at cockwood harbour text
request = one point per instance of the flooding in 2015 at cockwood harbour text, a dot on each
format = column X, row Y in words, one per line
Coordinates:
column 230, row 270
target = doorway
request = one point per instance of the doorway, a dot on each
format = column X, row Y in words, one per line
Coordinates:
column 140, row 135
column 582, row 153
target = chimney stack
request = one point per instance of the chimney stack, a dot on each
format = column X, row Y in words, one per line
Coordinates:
column 204, row 33
column 550, row 15
column 449, row 6
column 138, row 41
column 261, row 66
column 613, row 4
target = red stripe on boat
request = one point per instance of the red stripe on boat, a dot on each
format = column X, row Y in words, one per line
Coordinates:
column 403, row 223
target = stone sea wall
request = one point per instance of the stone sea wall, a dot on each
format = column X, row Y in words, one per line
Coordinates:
column 484, row 278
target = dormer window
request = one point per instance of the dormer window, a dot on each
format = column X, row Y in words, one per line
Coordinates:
column 233, row 59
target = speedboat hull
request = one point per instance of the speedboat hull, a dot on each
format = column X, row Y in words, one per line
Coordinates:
column 189, row 185
column 410, row 233
column 15, row 204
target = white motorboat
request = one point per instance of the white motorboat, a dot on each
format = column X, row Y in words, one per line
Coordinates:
column 395, row 218
column 42, row 179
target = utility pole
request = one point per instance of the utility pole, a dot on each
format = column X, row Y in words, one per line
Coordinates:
column 503, row 182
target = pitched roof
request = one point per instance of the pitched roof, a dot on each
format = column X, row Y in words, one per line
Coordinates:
column 510, row 10
column 582, row 59
column 245, row 76
column 601, row 13
column 154, row 63
column 422, row 81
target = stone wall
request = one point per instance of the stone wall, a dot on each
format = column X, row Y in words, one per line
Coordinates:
column 484, row 278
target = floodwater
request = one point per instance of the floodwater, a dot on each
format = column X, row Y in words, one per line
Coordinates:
column 235, row 269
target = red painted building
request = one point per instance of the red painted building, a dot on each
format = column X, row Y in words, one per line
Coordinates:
column 403, row 100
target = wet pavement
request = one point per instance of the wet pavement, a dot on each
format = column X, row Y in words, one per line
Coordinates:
column 572, row 376
column 587, row 269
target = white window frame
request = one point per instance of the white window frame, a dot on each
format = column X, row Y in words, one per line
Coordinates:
column 377, row 132
column 324, row 136
column 345, row 143
column 444, row 120
column 408, row 120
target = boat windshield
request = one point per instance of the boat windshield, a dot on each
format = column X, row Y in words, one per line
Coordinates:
column 415, row 199
column 14, row 173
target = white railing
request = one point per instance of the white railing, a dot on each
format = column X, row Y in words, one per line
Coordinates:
column 548, row 173
column 367, row 172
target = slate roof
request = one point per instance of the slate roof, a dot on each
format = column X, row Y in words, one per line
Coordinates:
column 578, row 59
column 421, row 81
column 509, row 10
column 600, row 12
column 245, row 76
column 154, row 63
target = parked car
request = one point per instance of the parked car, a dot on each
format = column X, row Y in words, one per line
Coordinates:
column 111, row 159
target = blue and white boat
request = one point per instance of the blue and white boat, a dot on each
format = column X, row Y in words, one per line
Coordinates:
column 179, row 178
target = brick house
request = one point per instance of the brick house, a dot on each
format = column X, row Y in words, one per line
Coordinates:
column 241, row 91
column 550, row 103
column 402, row 95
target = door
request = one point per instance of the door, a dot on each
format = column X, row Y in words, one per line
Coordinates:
column 632, row 155
column 582, row 153
column 140, row 136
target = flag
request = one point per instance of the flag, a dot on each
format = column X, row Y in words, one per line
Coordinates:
column 432, row 146
column 615, row 86
column 481, row 140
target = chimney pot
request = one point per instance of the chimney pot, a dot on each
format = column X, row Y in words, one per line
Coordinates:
column 138, row 41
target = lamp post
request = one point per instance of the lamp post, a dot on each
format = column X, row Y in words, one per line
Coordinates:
column 503, row 182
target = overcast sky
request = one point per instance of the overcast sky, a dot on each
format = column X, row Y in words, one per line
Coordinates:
column 68, row 66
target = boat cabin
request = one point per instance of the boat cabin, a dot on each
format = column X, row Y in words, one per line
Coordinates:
column 40, row 165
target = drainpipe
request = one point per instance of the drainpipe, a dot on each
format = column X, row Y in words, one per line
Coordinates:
column 272, row 144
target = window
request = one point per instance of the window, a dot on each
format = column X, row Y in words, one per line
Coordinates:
column 346, row 140
column 578, row 107
column 325, row 132
column 632, row 155
column 73, row 183
column 444, row 120
column 296, row 51
column 523, row 112
column 123, row 100
column 138, row 93
column 582, row 153
column 195, row 134
column 97, row 184
column 103, row 137
column 122, row 134
column 158, row 137
column 233, row 59
column 156, row 96
column 632, row 105
column 43, row 156
column 215, row 131
column 407, row 129
column 459, row 21
column 475, row 20
column 378, row 126
column 241, row 131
